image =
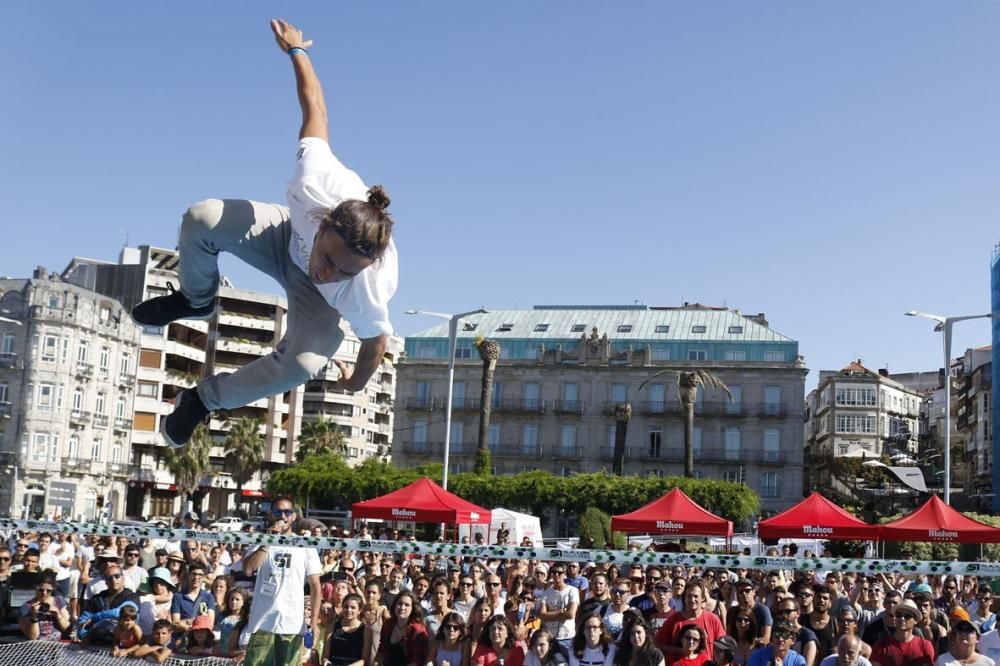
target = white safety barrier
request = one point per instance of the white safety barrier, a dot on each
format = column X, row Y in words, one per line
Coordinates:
column 43, row 653
column 619, row 557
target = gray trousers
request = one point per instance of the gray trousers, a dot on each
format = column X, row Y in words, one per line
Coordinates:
column 257, row 233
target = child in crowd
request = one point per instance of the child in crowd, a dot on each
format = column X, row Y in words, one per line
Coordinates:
column 157, row 645
column 127, row 634
column 201, row 638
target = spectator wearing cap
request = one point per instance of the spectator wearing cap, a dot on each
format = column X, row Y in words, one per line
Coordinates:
column 190, row 521
column 694, row 613
column 135, row 575
column 192, row 600
column 161, row 555
column 903, row 647
column 847, row 625
column 779, row 649
column 103, row 557
column 658, row 614
column 725, row 650
column 964, row 641
column 883, row 624
column 848, row 653
column 176, row 565
column 575, row 578
column 746, row 598
column 156, row 604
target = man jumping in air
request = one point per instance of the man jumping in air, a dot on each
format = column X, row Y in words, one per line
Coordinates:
column 331, row 249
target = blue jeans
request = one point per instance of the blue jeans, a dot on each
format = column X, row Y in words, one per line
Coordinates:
column 259, row 234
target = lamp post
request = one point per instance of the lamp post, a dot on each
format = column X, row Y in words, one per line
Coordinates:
column 944, row 326
column 452, row 320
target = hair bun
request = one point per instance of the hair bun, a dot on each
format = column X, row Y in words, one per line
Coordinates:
column 378, row 198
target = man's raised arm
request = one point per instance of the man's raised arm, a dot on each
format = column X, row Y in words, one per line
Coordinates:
column 314, row 121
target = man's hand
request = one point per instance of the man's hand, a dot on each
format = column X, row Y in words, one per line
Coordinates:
column 344, row 383
column 288, row 36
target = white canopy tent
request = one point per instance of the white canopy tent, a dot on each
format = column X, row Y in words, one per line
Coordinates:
column 520, row 525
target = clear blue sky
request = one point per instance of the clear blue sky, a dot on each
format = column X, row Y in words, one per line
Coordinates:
column 832, row 164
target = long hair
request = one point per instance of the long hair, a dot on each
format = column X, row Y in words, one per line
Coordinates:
column 452, row 618
column 484, row 637
column 580, row 639
column 416, row 612
column 555, row 655
column 645, row 655
column 364, row 226
column 731, row 627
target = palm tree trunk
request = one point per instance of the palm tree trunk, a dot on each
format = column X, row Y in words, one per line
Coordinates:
column 623, row 413
column 688, row 397
column 486, row 404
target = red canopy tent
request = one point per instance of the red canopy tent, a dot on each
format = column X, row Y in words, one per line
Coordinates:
column 936, row 521
column 816, row 517
column 674, row 513
column 423, row 501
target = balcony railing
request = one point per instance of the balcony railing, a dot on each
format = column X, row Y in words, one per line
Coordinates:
column 569, row 407
column 5, row 409
column 608, row 453
column 76, row 464
column 523, row 406
column 84, row 370
column 101, row 420
column 772, row 409
column 8, row 359
column 725, row 408
column 420, row 403
column 652, row 454
column 654, row 407
column 79, row 416
column 504, row 450
column 425, row 448
column 123, row 424
column 560, row 451
column 126, row 381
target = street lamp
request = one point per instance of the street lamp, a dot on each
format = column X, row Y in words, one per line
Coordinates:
column 944, row 325
column 452, row 343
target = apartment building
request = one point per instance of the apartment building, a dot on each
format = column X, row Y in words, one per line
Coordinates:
column 974, row 423
column 563, row 369
column 246, row 326
column 68, row 358
column 859, row 413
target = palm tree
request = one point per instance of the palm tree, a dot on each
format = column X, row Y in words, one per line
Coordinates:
column 190, row 463
column 623, row 413
column 687, row 392
column 320, row 437
column 489, row 351
column 244, row 447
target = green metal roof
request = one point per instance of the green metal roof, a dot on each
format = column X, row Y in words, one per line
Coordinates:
column 647, row 324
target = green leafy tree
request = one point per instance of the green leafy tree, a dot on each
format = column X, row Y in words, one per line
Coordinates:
column 190, row 463
column 320, row 437
column 244, row 448
column 688, row 383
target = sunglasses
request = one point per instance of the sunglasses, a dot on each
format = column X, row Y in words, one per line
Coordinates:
column 282, row 512
column 4, row 559
column 786, row 611
column 348, row 570
column 22, row 545
column 742, row 620
column 464, row 584
column 493, row 584
column 695, row 639
column 617, row 591
column 46, row 590
column 132, row 554
column 452, row 627
column 113, row 576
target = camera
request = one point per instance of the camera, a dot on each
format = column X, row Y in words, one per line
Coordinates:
column 43, row 608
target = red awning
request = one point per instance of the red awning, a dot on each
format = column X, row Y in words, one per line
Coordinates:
column 674, row 513
column 253, row 493
column 816, row 517
column 423, row 501
column 936, row 521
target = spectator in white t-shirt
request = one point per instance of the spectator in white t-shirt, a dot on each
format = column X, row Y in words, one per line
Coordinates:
column 277, row 612
column 558, row 607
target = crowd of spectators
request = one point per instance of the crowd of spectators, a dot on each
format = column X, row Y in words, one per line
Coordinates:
column 152, row 598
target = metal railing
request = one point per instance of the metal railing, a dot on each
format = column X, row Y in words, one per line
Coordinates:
column 101, row 420
column 526, row 406
column 420, row 403
column 569, row 407
column 772, row 409
column 608, row 453
column 8, row 359
column 560, row 451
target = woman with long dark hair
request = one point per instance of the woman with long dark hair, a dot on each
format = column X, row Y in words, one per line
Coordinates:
column 743, row 628
column 346, row 644
column 593, row 643
column 693, row 647
column 450, row 646
column 481, row 613
column 545, row 650
column 498, row 645
column 404, row 640
column 636, row 647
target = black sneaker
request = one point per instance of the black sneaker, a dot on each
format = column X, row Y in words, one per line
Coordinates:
column 162, row 310
column 188, row 412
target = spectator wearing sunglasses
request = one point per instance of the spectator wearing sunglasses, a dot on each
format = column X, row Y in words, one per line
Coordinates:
column 192, row 601
column 44, row 616
column 98, row 622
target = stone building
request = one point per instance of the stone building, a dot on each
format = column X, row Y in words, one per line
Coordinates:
column 68, row 359
column 563, row 369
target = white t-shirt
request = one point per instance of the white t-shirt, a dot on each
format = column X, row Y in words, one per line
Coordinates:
column 134, row 577
column 321, row 181
column 560, row 600
column 947, row 660
column 68, row 552
column 989, row 644
column 832, row 661
column 279, row 596
column 593, row 657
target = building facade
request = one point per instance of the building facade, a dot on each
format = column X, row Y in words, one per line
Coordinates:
column 68, row 358
column 563, row 369
column 245, row 326
column 995, row 369
column 859, row 413
column 974, row 425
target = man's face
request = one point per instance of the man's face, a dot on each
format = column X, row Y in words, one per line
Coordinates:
column 890, row 603
column 493, row 585
column 950, row 589
column 332, row 261
column 925, row 608
column 114, row 578
column 833, row 581
column 693, row 599
column 599, row 585
column 282, row 515
column 396, row 578
column 31, row 563
column 679, row 585
column 195, row 578
column 822, row 601
column 5, row 558
column 44, row 542
column 745, row 595
column 788, row 611
column 572, row 569
column 558, row 577
column 421, row 587
column 848, row 653
column 161, row 635
column 653, row 577
column 131, row 557
column 781, row 643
